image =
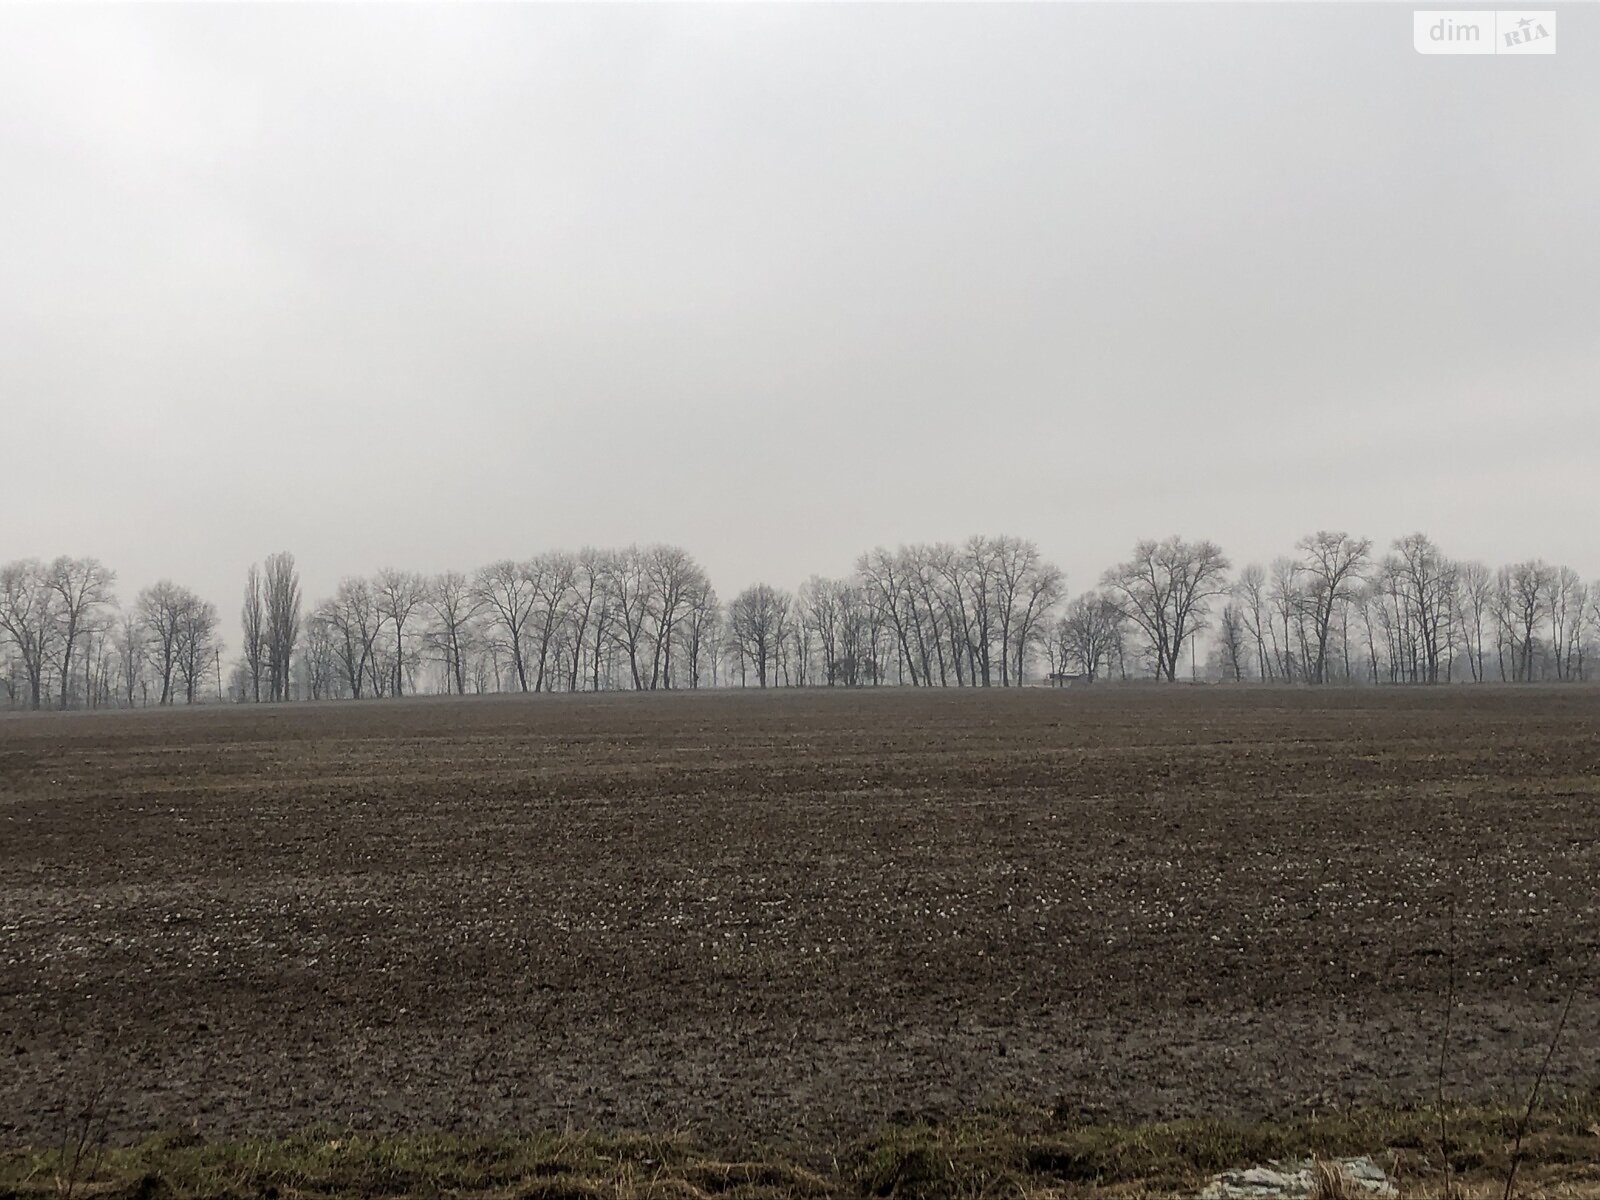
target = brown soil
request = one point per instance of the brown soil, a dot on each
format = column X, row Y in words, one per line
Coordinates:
column 791, row 916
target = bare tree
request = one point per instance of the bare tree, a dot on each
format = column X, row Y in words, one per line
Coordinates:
column 1087, row 634
column 553, row 578
column 1477, row 585
column 1593, row 623
column 252, row 621
column 105, row 663
column 1332, row 563
column 354, row 623
column 826, row 605
column 455, row 605
column 928, row 609
column 588, row 614
column 399, row 594
column 1233, row 644
column 756, row 622
column 674, row 579
column 83, row 589
column 1529, row 594
column 981, row 565
column 1286, row 598
column 953, row 570
column 1163, row 590
column 630, row 598
column 1027, row 588
column 321, row 658
column 282, row 598
column 164, row 607
column 132, row 649
column 1567, row 598
column 1250, row 594
column 29, row 620
column 886, row 587
column 197, row 646
column 1423, row 582
column 509, row 597
column 700, row 629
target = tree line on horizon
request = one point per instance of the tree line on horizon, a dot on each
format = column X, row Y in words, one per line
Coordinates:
column 986, row 612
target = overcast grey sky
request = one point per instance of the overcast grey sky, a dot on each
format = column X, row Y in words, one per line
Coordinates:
column 429, row 286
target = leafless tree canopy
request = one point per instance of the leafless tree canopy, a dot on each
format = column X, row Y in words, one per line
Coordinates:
column 53, row 617
column 283, row 621
column 1164, row 590
column 180, row 631
column 985, row 612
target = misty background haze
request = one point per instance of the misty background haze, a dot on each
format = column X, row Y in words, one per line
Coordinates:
column 434, row 286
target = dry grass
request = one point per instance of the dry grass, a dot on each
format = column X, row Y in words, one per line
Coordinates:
column 1330, row 1181
column 1033, row 1154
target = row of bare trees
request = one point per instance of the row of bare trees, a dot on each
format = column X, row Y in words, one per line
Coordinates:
column 63, row 640
column 1339, row 612
column 989, row 611
column 641, row 617
column 967, row 614
column 647, row 618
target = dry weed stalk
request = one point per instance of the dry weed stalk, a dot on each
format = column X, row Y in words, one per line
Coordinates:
column 1444, row 1040
column 1544, row 1069
column 81, row 1132
column 1330, row 1181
